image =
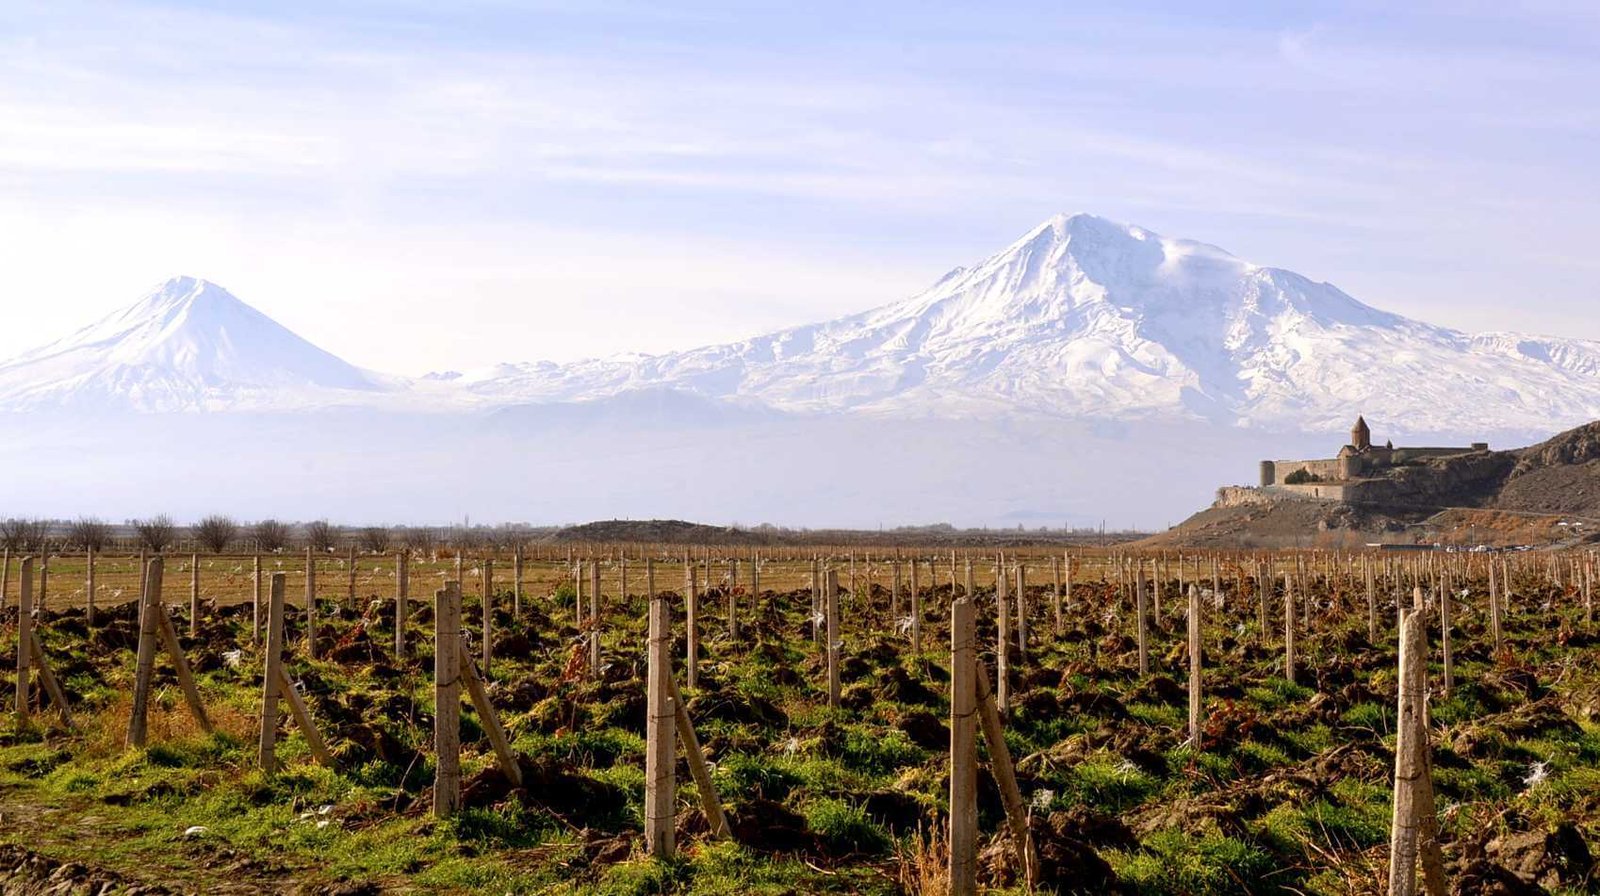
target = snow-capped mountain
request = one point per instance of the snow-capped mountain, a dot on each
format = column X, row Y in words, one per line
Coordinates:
column 186, row 345
column 1081, row 318
column 1084, row 317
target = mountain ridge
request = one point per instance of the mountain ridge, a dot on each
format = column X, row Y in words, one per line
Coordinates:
column 1080, row 317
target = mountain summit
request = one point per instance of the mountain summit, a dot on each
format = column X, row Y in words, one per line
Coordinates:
column 1081, row 318
column 188, row 344
column 1086, row 317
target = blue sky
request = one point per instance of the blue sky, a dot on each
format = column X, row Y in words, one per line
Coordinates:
column 419, row 185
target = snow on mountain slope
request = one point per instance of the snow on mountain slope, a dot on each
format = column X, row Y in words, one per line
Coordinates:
column 1086, row 317
column 1081, row 318
column 187, row 345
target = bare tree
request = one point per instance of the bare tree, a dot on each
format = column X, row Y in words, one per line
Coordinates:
column 24, row 534
column 270, row 535
column 466, row 539
column 156, row 533
column 321, row 535
column 216, row 532
column 419, row 539
column 89, row 533
column 375, row 539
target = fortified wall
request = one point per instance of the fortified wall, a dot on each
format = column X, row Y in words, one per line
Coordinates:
column 1357, row 474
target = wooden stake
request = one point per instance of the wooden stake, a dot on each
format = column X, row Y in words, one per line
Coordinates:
column 830, row 599
column 594, row 615
column 24, row 637
column 194, row 594
column 447, row 700
column 916, row 608
column 660, row 794
column 1022, row 613
column 490, row 721
column 1413, row 832
column 710, row 803
column 88, row 606
column 692, row 612
column 311, row 605
column 487, row 648
column 402, row 596
column 1055, row 575
column 1288, row 628
column 1005, row 775
column 255, row 599
column 47, row 678
column 964, row 678
column 1141, row 621
column 266, row 754
column 1002, row 657
column 1196, row 691
column 302, row 719
column 516, row 588
column 180, row 663
column 138, row 719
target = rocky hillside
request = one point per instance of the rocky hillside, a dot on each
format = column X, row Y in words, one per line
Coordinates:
column 1545, row 493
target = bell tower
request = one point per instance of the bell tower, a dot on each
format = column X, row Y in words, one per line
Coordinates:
column 1360, row 435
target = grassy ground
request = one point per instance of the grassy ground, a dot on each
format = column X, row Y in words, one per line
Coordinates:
column 1288, row 793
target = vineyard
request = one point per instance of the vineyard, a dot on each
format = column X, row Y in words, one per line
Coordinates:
column 610, row 719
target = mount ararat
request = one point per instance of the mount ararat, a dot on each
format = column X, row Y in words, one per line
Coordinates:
column 1081, row 318
column 1089, row 371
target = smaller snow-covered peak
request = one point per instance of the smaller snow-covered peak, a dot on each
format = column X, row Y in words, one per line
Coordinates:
column 186, row 344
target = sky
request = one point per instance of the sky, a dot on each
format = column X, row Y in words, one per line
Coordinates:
column 422, row 186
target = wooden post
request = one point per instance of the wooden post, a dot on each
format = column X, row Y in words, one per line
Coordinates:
column 660, row 794
column 964, row 677
column 311, row 605
column 350, row 567
column 1372, row 603
column 487, row 648
column 194, row 594
column 1444, row 634
column 402, row 595
column 817, row 615
column 894, row 592
column 516, row 587
column 594, row 613
column 830, row 599
column 1288, row 627
column 1022, row 613
column 255, row 599
column 266, row 753
column 1195, row 665
column 1002, row 643
column 5, row 577
column 24, row 637
column 1142, row 622
column 1055, row 575
column 1494, row 609
column 88, row 606
column 1414, row 831
column 733, row 599
column 916, row 608
column 692, row 636
column 447, row 700
column 138, row 719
